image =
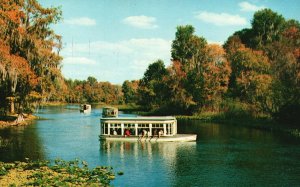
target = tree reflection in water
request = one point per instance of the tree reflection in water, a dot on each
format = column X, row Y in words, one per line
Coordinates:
column 157, row 161
column 18, row 143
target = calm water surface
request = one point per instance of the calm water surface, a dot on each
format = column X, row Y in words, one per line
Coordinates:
column 222, row 156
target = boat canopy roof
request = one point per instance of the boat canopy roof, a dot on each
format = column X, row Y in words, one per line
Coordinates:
column 144, row 118
column 109, row 107
column 140, row 119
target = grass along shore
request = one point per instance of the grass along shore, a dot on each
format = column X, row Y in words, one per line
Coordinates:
column 16, row 120
column 259, row 122
column 236, row 115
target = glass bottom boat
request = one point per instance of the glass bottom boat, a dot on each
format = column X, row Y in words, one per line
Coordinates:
column 158, row 129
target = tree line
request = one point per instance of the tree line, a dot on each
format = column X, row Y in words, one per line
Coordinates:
column 92, row 91
column 256, row 71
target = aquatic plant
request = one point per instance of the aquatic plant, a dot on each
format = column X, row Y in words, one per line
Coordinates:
column 295, row 132
column 59, row 173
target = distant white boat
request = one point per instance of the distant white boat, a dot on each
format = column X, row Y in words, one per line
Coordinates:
column 85, row 108
column 110, row 112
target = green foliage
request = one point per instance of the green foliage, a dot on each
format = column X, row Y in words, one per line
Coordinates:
column 266, row 27
column 186, row 46
column 92, row 80
column 181, row 50
column 289, row 114
column 152, row 91
column 236, row 110
column 129, row 89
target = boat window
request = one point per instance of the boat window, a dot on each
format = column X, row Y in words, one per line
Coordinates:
column 129, row 125
column 105, row 128
column 102, row 128
column 158, row 125
column 143, row 125
column 169, row 129
column 115, row 125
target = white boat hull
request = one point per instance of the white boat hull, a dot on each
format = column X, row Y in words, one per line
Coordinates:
column 175, row 138
column 85, row 111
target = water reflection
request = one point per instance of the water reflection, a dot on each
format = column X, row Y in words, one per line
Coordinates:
column 21, row 142
column 156, row 161
column 232, row 155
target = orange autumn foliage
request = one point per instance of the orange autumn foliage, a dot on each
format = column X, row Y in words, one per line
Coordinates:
column 220, row 68
column 16, row 66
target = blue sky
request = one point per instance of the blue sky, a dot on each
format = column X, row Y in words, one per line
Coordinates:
column 116, row 40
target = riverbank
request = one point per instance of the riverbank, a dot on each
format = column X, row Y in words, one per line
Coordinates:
column 260, row 122
column 56, row 103
column 12, row 120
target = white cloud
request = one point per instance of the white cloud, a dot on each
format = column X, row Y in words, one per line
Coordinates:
column 98, row 47
column 108, row 47
column 221, row 19
column 135, row 46
column 78, row 60
column 83, row 21
column 247, row 7
column 146, row 51
column 142, row 22
column 115, row 61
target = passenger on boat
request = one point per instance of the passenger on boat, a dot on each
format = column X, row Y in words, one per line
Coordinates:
column 115, row 132
column 127, row 132
column 153, row 134
column 145, row 133
column 160, row 133
column 119, row 131
column 140, row 133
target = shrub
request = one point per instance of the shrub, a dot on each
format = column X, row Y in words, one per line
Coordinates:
column 289, row 114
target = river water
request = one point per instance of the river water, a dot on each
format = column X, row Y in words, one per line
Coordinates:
column 223, row 155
